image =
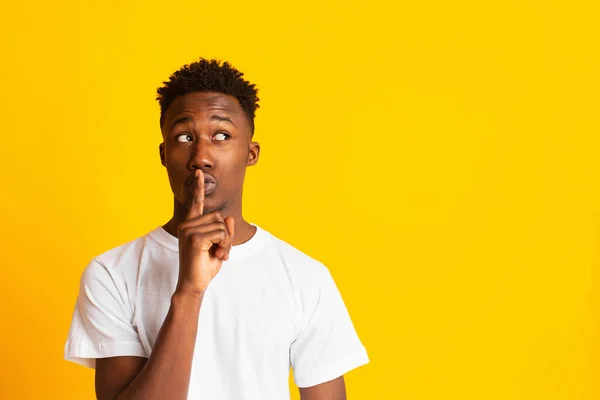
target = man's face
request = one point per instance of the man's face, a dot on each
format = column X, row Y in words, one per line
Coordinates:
column 207, row 131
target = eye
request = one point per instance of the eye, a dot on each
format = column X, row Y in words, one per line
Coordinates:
column 185, row 137
column 221, row 136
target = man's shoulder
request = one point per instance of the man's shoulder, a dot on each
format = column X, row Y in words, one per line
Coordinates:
column 295, row 260
column 126, row 254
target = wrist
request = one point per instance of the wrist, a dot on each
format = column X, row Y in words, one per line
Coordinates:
column 184, row 294
column 185, row 306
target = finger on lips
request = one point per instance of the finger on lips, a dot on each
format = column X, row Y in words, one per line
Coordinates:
column 197, row 206
column 213, row 226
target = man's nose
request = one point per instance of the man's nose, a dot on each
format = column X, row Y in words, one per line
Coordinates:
column 202, row 156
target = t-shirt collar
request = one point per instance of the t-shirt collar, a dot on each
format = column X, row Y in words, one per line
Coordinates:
column 254, row 244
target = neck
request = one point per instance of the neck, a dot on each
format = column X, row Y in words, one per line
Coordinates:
column 243, row 230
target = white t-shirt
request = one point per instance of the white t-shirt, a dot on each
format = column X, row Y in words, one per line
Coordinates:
column 269, row 307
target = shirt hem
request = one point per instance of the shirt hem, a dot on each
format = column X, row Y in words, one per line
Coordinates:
column 85, row 353
column 330, row 372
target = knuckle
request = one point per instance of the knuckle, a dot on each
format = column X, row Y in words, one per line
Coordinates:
column 195, row 239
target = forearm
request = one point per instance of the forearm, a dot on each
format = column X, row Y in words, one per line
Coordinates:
column 166, row 374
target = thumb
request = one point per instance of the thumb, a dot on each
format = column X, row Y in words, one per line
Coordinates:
column 230, row 222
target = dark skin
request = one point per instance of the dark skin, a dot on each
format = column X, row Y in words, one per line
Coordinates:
column 219, row 122
column 207, row 146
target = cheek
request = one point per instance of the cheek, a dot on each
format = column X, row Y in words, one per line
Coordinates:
column 176, row 173
column 176, row 161
column 233, row 170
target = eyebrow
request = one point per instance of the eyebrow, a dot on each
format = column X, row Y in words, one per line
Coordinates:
column 186, row 118
column 181, row 120
column 222, row 118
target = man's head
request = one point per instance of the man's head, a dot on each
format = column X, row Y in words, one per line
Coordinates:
column 207, row 122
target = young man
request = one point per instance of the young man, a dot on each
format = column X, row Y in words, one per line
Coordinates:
column 209, row 306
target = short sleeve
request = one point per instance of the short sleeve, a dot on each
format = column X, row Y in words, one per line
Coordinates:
column 102, row 324
column 327, row 346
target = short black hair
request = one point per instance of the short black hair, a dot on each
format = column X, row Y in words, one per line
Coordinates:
column 209, row 76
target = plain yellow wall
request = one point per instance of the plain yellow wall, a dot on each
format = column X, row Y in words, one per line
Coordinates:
column 440, row 157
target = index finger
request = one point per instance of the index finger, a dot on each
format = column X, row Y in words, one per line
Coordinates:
column 197, row 207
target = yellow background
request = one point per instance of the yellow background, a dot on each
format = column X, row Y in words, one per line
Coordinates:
column 440, row 157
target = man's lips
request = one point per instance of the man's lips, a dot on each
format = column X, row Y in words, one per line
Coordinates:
column 209, row 188
column 210, row 184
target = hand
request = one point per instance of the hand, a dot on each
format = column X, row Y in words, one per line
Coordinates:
column 204, row 242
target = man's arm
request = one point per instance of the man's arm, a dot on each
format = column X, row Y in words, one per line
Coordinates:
column 204, row 242
column 332, row 390
column 327, row 345
column 166, row 374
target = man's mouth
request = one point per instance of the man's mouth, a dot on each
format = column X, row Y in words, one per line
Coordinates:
column 210, row 185
column 209, row 188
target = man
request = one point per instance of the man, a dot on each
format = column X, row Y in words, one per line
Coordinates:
column 209, row 306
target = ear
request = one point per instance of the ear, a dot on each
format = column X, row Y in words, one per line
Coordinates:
column 253, row 154
column 161, row 150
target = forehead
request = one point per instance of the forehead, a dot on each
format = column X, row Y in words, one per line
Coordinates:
column 203, row 103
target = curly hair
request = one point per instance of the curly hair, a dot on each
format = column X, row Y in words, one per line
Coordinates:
column 209, row 76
